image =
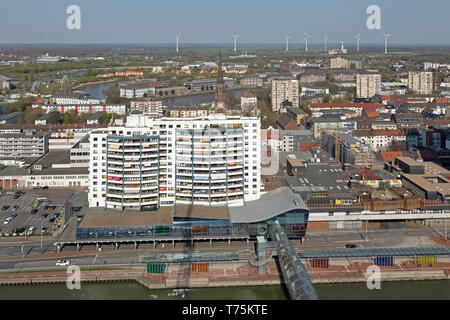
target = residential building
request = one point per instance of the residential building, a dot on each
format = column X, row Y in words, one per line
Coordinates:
column 379, row 139
column 119, row 109
column 284, row 90
column 5, row 82
column 188, row 111
column 342, row 63
column 368, row 85
column 137, row 90
column 332, row 123
column 420, row 82
column 147, row 106
column 249, row 105
column 251, row 81
column 153, row 162
column 23, row 145
column 296, row 113
column 298, row 140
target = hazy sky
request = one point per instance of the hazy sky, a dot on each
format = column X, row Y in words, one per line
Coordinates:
column 212, row 21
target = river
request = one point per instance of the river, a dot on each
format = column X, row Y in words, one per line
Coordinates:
column 406, row 290
column 97, row 91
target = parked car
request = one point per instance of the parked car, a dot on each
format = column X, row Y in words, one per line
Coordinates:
column 350, row 246
column 30, row 231
column 52, row 208
column 44, row 230
column 46, row 207
column 45, row 187
column 4, row 208
column 52, row 219
column 34, row 211
column 63, row 263
column 7, row 220
column 16, row 196
column 37, row 188
column 15, row 208
column 45, row 215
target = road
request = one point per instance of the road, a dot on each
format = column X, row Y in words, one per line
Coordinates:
column 12, row 258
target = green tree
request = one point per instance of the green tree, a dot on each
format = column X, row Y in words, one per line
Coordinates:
column 160, row 93
column 172, row 92
column 327, row 99
column 145, row 95
column 54, row 117
column 67, row 118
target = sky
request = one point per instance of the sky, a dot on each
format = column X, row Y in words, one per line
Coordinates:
column 213, row 21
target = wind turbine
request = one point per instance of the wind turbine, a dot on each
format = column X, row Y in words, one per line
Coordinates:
column 326, row 40
column 386, row 36
column 307, row 36
column 358, row 37
column 177, row 38
column 235, row 36
column 287, row 41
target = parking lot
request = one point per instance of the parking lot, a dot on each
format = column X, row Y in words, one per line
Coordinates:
column 24, row 218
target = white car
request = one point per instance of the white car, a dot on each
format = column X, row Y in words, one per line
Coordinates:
column 7, row 220
column 63, row 263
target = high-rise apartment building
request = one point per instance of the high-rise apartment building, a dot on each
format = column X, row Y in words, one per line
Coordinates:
column 420, row 82
column 153, row 162
column 368, row 85
column 284, row 90
column 342, row 63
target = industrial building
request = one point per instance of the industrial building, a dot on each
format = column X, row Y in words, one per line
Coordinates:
column 23, row 145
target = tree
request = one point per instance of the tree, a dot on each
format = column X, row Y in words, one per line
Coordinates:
column 166, row 93
column 67, row 118
column 145, row 95
column 160, row 93
column 172, row 92
column 54, row 117
column 203, row 88
column 327, row 99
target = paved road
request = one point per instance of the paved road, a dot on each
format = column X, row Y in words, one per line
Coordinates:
column 11, row 257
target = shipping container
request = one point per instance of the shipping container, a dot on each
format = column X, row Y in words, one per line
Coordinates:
column 423, row 261
column 199, row 267
column 383, row 261
column 156, row 268
column 319, row 263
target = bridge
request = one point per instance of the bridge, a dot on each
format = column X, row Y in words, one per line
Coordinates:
column 294, row 273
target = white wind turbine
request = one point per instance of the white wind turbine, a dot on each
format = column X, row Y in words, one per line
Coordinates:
column 386, row 36
column 326, row 40
column 307, row 36
column 177, row 39
column 358, row 37
column 235, row 36
column 286, row 37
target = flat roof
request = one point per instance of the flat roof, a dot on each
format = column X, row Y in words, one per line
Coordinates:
column 126, row 219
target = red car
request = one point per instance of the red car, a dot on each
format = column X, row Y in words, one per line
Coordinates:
column 52, row 208
column 34, row 211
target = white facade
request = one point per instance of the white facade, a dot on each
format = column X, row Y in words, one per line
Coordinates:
column 154, row 162
column 120, row 109
column 132, row 92
column 75, row 100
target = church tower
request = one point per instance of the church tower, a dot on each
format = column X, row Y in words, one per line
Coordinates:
column 220, row 103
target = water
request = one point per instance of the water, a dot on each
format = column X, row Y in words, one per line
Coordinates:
column 97, row 91
column 206, row 98
column 414, row 290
